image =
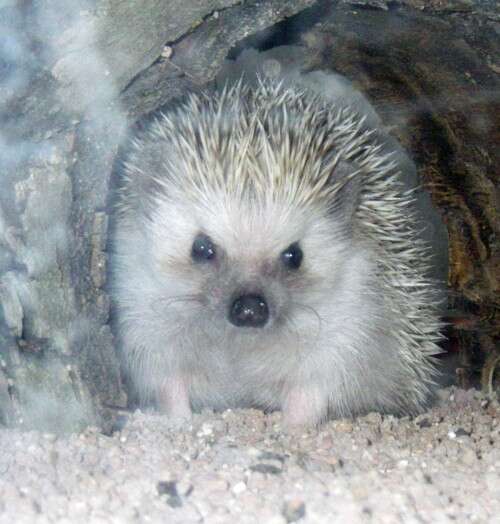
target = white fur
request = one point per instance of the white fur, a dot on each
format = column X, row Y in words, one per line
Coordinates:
column 352, row 330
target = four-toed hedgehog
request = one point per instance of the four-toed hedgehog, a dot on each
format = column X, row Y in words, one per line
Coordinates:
column 267, row 255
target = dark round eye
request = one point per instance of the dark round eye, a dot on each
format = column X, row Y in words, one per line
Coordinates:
column 292, row 256
column 203, row 248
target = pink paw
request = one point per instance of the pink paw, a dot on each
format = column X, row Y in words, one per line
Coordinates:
column 173, row 399
column 304, row 407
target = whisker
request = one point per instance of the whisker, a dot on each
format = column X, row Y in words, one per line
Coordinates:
column 168, row 302
column 314, row 313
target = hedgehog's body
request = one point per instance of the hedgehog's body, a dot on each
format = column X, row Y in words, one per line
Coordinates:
column 266, row 256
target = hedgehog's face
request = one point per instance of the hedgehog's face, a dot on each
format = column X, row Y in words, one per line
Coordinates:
column 251, row 203
column 256, row 297
column 252, row 269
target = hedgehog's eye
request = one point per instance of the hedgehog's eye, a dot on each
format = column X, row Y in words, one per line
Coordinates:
column 203, row 248
column 292, row 256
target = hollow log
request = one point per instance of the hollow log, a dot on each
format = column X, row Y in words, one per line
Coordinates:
column 72, row 81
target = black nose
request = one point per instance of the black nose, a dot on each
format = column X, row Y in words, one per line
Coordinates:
column 249, row 311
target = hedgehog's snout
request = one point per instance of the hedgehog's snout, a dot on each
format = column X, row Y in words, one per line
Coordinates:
column 249, row 310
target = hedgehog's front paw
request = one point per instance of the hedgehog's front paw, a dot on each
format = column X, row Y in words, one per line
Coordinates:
column 173, row 399
column 304, row 406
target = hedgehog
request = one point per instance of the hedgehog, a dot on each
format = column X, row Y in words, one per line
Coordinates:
column 267, row 255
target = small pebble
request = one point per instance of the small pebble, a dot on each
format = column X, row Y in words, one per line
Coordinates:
column 184, row 488
column 206, row 430
column 373, row 418
column 469, row 457
column 167, row 52
column 269, row 469
column 239, row 487
column 344, row 426
column 294, row 510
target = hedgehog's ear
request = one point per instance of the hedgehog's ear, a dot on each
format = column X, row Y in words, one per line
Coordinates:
column 346, row 181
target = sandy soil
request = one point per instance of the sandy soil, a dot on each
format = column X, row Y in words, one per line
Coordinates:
column 240, row 467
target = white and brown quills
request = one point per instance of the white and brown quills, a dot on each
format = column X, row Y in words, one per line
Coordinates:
column 266, row 255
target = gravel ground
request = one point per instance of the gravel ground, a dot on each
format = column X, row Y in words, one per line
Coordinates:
column 241, row 467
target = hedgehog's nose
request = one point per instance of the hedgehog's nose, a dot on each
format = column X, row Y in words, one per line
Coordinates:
column 249, row 311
